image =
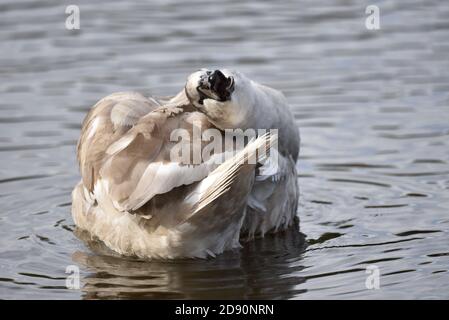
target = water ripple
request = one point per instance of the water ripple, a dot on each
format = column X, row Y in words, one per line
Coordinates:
column 374, row 164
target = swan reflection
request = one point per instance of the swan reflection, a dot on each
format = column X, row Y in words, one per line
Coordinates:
column 267, row 268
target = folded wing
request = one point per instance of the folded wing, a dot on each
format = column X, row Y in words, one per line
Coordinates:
column 106, row 122
column 140, row 165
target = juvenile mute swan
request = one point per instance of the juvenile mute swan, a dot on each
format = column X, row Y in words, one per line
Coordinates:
column 141, row 198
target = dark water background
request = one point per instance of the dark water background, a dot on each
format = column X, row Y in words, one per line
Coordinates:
column 373, row 108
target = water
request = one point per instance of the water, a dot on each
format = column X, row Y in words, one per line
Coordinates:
column 373, row 108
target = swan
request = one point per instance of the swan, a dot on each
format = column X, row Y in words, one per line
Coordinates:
column 141, row 198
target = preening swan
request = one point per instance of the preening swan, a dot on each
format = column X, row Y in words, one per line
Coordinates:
column 162, row 179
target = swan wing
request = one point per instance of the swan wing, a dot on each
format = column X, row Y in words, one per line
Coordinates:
column 106, row 122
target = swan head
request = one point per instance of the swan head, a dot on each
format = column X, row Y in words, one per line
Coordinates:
column 210, row 84
column 221, row 94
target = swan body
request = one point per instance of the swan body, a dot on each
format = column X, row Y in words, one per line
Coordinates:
column 141, row 199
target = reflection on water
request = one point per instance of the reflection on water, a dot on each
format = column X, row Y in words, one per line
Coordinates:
column 373, row 108
column 268, row 268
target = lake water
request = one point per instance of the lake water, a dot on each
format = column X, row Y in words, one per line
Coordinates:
column 372, row 106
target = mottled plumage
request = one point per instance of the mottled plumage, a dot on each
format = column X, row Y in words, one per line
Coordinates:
column 139, row 200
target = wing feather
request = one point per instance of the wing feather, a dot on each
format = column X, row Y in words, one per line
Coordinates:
column 139, row 166
column 105, row 123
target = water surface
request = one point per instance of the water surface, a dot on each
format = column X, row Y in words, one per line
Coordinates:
column 372, row 106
